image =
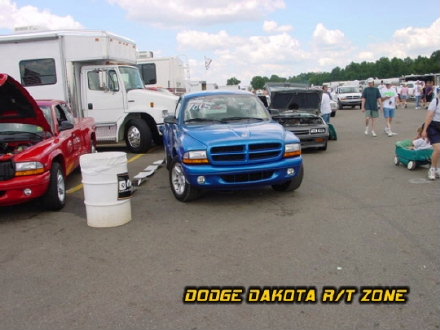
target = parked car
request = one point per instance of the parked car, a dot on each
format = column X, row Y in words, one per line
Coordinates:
column 297, row 108
column 40, row 144
column 227, row 140
column 348, row 96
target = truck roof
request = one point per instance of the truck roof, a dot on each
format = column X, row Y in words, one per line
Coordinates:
column 54, row 34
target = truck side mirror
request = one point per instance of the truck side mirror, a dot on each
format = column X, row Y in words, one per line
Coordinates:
column 66, row 125
column 103, row 82
column 170, row 120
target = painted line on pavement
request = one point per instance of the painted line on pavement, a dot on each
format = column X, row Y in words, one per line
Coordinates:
column 132, row 159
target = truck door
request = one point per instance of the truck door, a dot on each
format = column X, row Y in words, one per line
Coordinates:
column 104, row 97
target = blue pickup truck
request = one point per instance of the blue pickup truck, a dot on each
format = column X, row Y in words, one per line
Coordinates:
column 227, row 140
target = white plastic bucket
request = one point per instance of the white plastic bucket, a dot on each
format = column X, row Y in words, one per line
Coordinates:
column 106, row 198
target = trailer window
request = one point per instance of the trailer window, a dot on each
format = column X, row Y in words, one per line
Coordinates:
column 38, row 72
column 148, row 73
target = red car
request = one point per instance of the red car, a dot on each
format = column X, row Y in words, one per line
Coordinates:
column 40, row 144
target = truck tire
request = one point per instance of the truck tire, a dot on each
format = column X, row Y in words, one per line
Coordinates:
column 291, row 184
column 339, row 106
column 180, row 187
column 138, row 136
column 55, row 197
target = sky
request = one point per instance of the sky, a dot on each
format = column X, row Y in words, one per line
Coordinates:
column 247, row 38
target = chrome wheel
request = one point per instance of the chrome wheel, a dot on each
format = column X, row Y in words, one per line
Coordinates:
column 178, row 180
column 61, row 187
column 134, row 136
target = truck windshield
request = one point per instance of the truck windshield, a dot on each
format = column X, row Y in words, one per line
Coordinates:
column 131, row 77
column 349, row 90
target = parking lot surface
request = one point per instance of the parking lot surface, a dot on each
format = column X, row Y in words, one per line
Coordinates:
column 357, row 220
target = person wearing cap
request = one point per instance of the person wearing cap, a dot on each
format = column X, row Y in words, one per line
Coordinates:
column 389, row 102
column 370, row 97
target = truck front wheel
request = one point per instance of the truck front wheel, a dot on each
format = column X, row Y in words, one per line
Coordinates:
column 138, row 136
column 55, row 197
column 180, row 187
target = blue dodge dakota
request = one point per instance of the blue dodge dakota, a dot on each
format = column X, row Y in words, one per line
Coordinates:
column 227, row 140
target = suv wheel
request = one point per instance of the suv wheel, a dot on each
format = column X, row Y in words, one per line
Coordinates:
column 180, row 187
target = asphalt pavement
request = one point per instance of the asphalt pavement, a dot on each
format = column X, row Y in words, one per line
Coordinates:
column 356, row 221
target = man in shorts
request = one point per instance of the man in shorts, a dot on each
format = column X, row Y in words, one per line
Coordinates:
column 390, row 101
column 370, row 97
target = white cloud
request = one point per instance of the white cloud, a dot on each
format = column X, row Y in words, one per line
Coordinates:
column 198, row 40
column 326, row 37
column 174, row 13
column 272, row 26
column 245, row 57
column 12, row 16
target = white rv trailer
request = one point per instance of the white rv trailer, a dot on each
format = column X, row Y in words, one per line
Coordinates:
column 95, row 72
column 163, row 72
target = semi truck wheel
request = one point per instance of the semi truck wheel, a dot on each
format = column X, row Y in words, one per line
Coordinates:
column 138, row 136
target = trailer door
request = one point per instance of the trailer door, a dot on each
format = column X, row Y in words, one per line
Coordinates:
column 104, row 97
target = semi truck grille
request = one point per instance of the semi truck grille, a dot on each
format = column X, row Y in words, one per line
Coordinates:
column 246, row 153
column 247, row 177
column 7, row 170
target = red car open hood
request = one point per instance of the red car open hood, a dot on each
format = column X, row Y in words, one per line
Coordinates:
column 18, row 106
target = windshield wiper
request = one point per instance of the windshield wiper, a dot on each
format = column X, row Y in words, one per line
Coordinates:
column 196, row 120
column 224, row 120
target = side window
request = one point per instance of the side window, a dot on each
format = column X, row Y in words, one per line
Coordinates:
column 38, row 72
column 61, row 116
column 177, row 110
column 67, row 113
column 148, row 73
column 112, row 81
column 93, row 81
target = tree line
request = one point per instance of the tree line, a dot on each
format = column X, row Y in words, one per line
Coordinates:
column 382, row 68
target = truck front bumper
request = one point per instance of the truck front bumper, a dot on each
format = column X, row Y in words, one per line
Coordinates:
column 242, row 176
column 24, row 188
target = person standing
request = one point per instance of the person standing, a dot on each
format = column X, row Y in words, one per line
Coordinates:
column 370, row 97
column 389, row 101
column 429, row 90
column 326, row 108
column 431, row 130
column 418, row 94
column 404, row 94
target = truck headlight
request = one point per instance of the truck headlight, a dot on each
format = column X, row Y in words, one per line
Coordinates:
column 195, row 157
column 28, row 168
column 292, row 150
column 317, row 130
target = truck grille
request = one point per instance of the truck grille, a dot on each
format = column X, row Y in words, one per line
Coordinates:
column 353, row 97
column 301, row 132
column 7, row 170
column 245, row 153
column 247, row 177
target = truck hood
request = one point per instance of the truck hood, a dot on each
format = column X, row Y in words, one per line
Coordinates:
column 139, row 98
column 211, row 135
column 295, row 100
column 18, row 106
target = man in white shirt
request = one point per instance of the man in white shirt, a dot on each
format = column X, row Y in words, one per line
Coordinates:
column 326, row 108
column 389, row 101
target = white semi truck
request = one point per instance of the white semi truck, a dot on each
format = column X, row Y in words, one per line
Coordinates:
column 96, row 73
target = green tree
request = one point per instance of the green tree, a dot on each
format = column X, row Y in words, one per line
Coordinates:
column 258, row 82
column 232, row 81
